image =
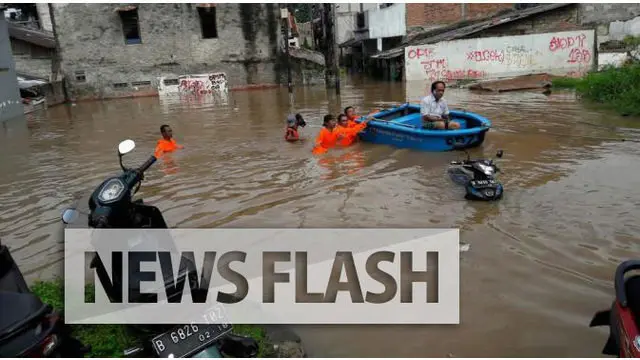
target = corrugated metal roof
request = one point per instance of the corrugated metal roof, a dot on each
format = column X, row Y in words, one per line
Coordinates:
column 350, row 43
column 40, row 38
column 463, row 31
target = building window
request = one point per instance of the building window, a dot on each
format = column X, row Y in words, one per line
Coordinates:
column 170, row 82
column 141, row 83
column 120, row 85
column 208, row 22
column 81, row 76
column 130, row 26
column 360, row 20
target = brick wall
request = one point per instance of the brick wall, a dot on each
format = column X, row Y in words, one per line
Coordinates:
column 432, row 15
column 562, row 19
column 479, row 10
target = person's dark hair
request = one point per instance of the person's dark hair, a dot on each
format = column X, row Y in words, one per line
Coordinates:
column 162, row 128
column 300, row 120
column 328, row 118
column 347, row 109
column 341, row 116
column 435, row 83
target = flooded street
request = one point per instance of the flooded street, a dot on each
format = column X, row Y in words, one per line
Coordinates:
column 540, row 262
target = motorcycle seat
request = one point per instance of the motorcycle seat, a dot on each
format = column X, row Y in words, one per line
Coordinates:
column 632, row 288
column 18, row 309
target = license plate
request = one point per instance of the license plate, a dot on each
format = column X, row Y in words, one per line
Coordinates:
column 483, row 183
column 185, row 340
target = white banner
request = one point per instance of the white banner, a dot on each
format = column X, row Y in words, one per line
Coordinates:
column 262, row 276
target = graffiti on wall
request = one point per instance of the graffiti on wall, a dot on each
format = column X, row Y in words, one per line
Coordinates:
column 202, row 84
column 566, row 53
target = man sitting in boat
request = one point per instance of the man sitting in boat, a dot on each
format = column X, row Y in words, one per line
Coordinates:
column 434, row 109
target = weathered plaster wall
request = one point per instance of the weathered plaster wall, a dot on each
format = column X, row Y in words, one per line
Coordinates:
column 31, row 59
column 612, row 21
column 92, row 45
column 10, row 101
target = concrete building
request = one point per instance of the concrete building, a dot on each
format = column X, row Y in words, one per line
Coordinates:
column 10, row 101
column 112, row 50
column 34, row 51
column 377, row 28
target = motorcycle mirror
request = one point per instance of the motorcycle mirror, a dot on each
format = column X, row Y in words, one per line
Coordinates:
column 126, row 147
column 69, row 215
column 499, row 154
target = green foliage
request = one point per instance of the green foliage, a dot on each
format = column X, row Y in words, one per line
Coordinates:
column 631, row 41
column 616, row 88
column 302, row 12
column 111, row 340
column 566, row 83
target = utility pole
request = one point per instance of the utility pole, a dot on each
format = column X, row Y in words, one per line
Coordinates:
column 335, row 45
column 284, row 13
column 331, row 71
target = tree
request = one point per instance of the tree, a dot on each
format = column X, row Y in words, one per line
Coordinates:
column 302, row 12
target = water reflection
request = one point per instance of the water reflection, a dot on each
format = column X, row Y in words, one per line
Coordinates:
column 341, row 162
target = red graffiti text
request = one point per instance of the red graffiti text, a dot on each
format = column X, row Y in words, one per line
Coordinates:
column 486, row 56
column 420, row 53
column 195, row 86
column 558, row 43
column 434, row 64
column 579, row 56
column 464, row 74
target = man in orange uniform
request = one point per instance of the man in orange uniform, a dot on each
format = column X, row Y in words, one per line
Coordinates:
column 328, row 136
column 167, row 143
column 349, row 134
column 352, row 117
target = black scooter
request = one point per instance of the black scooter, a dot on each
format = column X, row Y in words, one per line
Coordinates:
column 28, row 327
column 111, row 205
column 478, row 177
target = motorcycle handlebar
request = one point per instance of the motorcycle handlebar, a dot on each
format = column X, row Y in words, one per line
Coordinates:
column 147, row 164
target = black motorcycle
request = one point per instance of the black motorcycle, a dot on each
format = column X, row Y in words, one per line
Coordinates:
column 111, row 205
column 478, row 177
column 28, row 327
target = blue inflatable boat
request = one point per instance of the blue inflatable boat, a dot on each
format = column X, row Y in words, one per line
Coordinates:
column 402, row 127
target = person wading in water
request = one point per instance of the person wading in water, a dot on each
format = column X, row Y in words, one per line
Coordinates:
column 167, row 144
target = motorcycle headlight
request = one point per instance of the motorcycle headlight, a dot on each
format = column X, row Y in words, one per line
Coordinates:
column 487, row 170
column 489, row 192
column 111, row 190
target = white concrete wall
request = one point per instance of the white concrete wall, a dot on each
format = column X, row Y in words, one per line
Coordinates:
column 611, row 59
column 45, row 16
column 387, row 22
column 345, row 24
column 562, row 53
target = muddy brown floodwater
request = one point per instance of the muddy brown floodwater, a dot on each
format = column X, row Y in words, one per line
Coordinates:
column 540, row 261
